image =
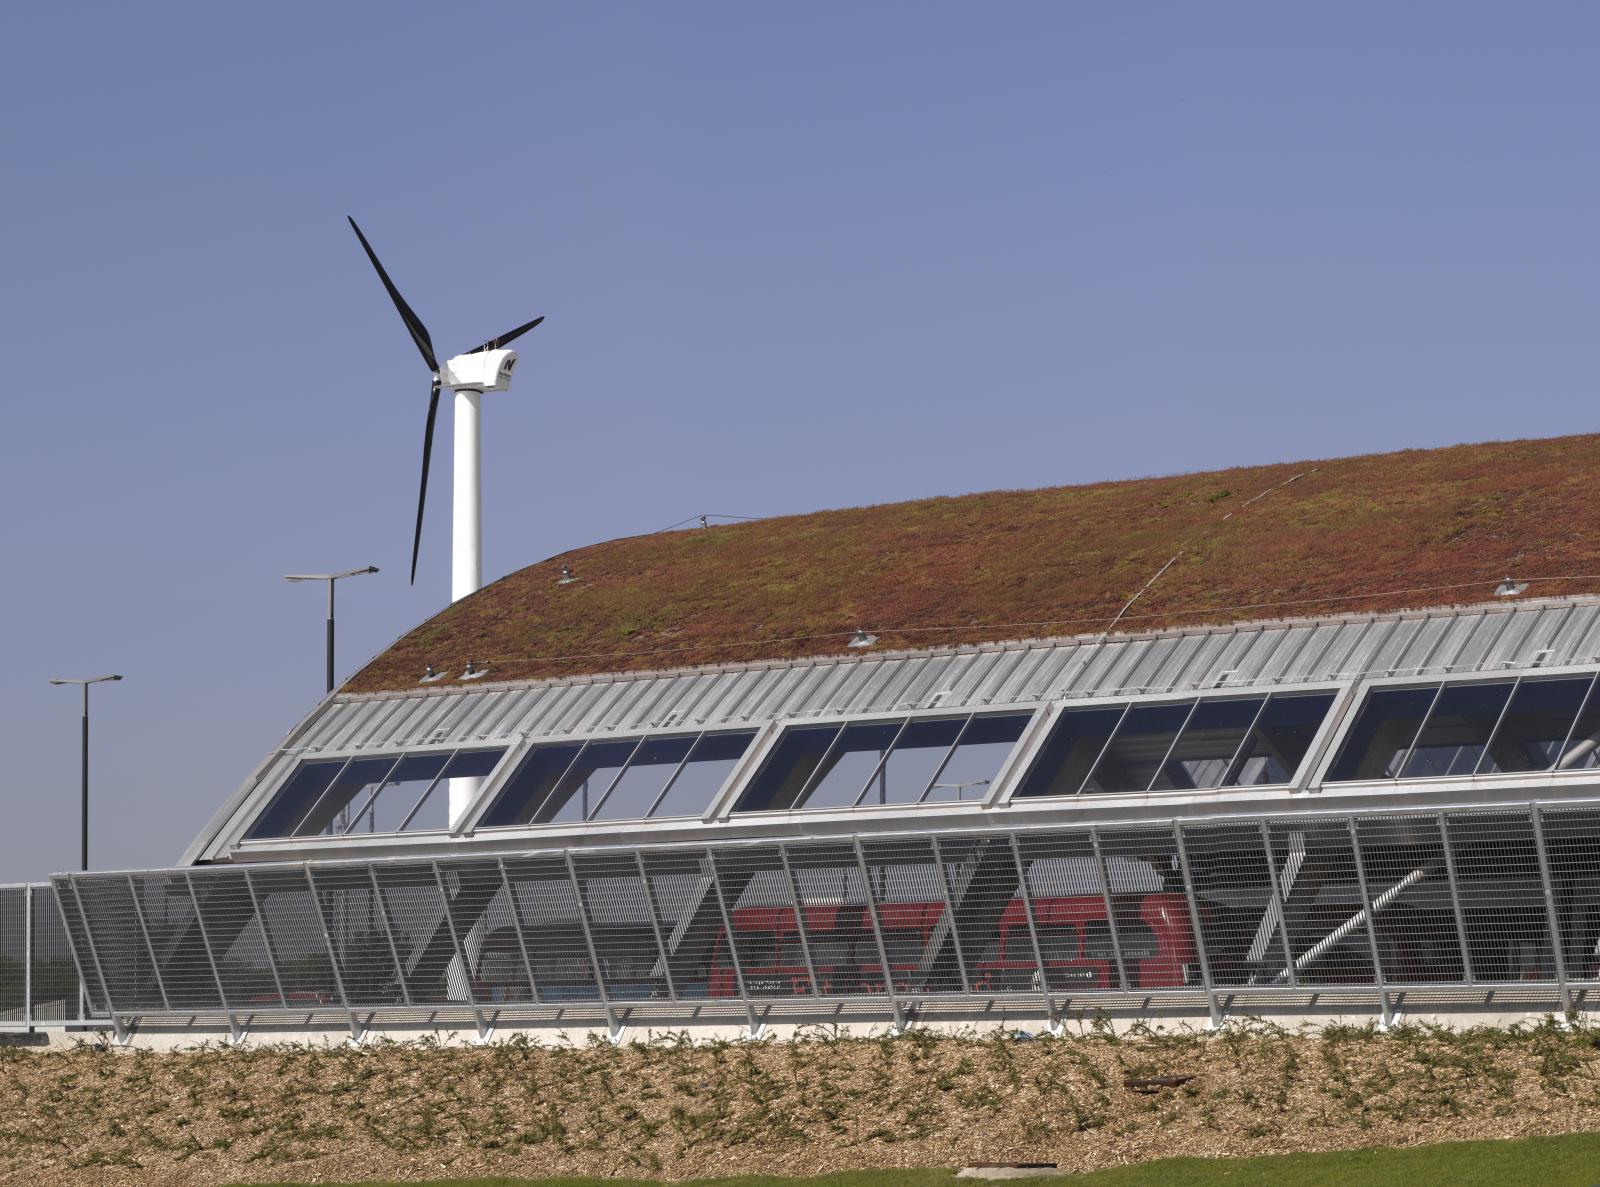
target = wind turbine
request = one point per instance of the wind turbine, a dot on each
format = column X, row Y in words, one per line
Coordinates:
column 485, row 368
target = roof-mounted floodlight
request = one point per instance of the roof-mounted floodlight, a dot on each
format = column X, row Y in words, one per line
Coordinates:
column 861, row 639
column 1509, row 588
column 566, row 577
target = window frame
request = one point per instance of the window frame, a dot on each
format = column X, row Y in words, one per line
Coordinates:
column 1302, row 779
column 757, row 760
column 471, row 822
column 1362, row 690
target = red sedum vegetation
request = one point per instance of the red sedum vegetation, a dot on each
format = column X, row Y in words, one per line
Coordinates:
column 1381, row 532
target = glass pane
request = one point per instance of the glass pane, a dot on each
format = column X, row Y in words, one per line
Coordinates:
column 1278, row 743
column 710, row 763
column 1139, row 745
column 641, row 783
column 1458, row 730
column 399, row 793
column 788, row 770
column 985, row 745
column 360, row 777
column 1204, row 753
column 295, row 798
column 525, row 792
column 470, row 766
column 839, row 782
column 1535, row 725
column 914, row 761
column 1376, row 745
column 1585, row 741
column 586, row 781
column 1075, row 742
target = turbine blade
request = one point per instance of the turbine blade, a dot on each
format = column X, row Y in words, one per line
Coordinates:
column 508, row 336
column 419, row 332
column 422, row 494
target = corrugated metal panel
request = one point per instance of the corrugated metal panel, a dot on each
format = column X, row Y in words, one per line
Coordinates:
column 1477, row 639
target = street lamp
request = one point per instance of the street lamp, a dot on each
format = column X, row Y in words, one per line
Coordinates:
column 330, row 578
column 84, row 814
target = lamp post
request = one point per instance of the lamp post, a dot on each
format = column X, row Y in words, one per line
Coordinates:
column 83, row 861
column 331, row 579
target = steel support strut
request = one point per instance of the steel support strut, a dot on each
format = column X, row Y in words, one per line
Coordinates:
column 1271, row 854
column 1551, row 916
column 613, row 1027
column 333, row 956
column 1369, row 910
column 234, row 1026
column 516, row 926
column 800, row 926
column 1194, row 922
column 27, row 957
column 950, row 914
column 1455, row 901
column 1033, row 936
column 877, row 938
column 754, row 1030
column 144, row 932
column 1111, row 910
column 485, row 1029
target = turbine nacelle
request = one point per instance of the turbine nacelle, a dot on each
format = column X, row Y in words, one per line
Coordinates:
column 480, row 371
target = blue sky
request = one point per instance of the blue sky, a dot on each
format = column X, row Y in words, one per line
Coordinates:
column 792, row 257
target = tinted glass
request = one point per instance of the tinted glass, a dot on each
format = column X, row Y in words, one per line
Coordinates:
column 788, row 769
column 1280, row 738
column 1457, row 731
column 359, row 778
column 1535, row 725
column 915, row 760
column 524, row 794
column 1203, row 756
column 1134, row 756
column 1382, row 734
column 586, row 780
column 636, row 791
column 710, row 763
column 842, row 778
column 295, row 798
column 1580, row 750
column 402, row 788
column 1075, row 743
column 985, row 745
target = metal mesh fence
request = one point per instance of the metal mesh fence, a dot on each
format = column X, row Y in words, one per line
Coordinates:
column 39, row 982
column 1234, row 914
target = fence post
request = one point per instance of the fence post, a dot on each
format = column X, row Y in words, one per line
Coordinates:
column 800, row 928
column 27, row 957
column 516, row 926
column 733, row 948
column 484, row 1028
column 950, row 914
column 144, row 930
column 216, row 974
column 613, row 1027
column 877, row 936
column 333, row 956
column 1271, row 854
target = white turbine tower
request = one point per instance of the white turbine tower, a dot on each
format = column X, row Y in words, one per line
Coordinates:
column 486, row 367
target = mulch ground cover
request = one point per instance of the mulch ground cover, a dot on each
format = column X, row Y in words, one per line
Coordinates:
column 668, row 1109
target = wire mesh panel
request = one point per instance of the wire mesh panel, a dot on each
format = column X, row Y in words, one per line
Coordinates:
column 484, row 910
column 96, row 991
column 413, row 907
column 357, row 931
column 121, row 954
column 1413, row 915
column 683, row 893
column 621, row 928
column 1320, row 892
column 767, row 938
column 826, row 880
column 553, row 929
column 1071, row 919
column 1502, row 895
column 1233, row 888
column 1154, row 926
column 13, row 953
column 237, row 942
column 296, row 937
column 913, row 919
column 53, row 984
column 980, row 876
column 1572, row 841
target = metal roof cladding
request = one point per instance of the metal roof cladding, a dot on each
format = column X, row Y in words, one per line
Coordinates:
column 1383, row 532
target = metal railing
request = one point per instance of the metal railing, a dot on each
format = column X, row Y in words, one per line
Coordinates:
column 1225, row 916
column 39, row 985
